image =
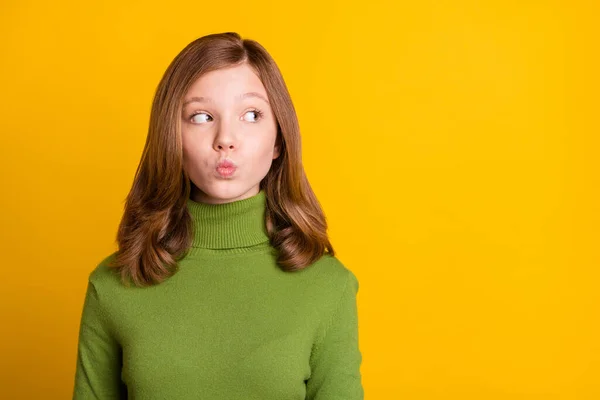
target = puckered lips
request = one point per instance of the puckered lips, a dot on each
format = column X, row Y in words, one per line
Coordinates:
column 226, row 168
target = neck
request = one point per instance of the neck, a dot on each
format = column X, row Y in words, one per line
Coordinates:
column 237, row 224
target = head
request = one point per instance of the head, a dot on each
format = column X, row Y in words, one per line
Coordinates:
column 222, row 127
column 229, row 133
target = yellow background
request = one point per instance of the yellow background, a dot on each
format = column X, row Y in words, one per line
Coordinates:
column 453, row 145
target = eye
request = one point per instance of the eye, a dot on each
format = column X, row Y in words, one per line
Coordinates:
column 258, row 115
column 200, row 120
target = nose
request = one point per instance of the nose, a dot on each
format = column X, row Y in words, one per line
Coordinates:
column 224, row 145
column 225, row 139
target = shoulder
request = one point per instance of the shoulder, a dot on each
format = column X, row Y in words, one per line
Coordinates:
column 334, row 277
column 103, row 276
column 335, row 269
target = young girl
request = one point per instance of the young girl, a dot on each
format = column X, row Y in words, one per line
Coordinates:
column 225, row 284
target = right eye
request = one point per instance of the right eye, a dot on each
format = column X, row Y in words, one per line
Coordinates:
column 200, row 120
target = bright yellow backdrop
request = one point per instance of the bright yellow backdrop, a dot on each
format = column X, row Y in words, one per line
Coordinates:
column 453, row 145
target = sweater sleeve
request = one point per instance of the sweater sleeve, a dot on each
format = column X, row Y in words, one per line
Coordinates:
column 98, row 368
column 336, row 358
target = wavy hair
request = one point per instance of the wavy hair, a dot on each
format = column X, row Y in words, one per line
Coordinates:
column 156, row 229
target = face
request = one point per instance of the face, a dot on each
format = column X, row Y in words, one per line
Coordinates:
column 229, row 135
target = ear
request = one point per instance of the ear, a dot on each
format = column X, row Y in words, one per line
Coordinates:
column 277, row 147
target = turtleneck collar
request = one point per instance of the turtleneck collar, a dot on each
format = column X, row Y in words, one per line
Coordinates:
column 240, row 223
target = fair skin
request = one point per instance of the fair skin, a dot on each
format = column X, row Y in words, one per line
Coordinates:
column 227, row 116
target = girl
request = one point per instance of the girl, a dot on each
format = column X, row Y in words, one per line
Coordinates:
column 225, row 284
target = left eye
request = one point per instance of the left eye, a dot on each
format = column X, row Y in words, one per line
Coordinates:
column 250, row 113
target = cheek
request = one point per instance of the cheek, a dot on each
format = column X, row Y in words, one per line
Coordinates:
column 264, row 156
column 193, row 158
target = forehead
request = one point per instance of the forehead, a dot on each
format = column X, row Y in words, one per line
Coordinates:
column 227, row 82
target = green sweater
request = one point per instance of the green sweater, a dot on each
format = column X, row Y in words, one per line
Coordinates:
column 230, row 324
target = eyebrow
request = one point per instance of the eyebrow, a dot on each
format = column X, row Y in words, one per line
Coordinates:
column 240, row 97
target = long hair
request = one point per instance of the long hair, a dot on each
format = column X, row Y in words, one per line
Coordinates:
column 156, row 229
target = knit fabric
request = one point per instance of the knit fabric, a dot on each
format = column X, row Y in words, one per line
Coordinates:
column 229, row 324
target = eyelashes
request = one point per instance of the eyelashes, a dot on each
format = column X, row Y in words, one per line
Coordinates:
column 259, row 116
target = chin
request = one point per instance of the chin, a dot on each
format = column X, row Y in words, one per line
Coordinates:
column 225, row 192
